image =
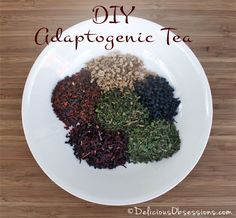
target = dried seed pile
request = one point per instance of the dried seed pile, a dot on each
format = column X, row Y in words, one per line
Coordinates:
column 117, row 112
column 116, row 71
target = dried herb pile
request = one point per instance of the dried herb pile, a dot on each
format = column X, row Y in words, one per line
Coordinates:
column 116, row 71
column 74, row 99
column 100, row 148
column 116, row 112
column 156, row 140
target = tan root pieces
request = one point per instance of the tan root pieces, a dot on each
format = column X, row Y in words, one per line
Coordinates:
column 116, row 71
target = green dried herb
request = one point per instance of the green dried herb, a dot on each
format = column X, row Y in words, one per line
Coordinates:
column 154, row 141
column 118, row 110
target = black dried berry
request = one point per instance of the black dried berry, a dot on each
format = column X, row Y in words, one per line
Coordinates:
column 157, row 95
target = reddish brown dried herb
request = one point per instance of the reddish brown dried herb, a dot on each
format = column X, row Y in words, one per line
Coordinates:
column 99, row 147
column 74, row 99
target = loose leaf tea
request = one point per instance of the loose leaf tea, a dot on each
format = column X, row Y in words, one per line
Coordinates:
column 100, row 148
column 157, row 95
column 118, row 110
column 74, row 99
column 154, row 141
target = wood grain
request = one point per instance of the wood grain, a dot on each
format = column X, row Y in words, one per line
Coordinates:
column 27, row 192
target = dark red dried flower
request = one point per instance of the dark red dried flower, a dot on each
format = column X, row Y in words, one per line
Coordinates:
column 99, row 147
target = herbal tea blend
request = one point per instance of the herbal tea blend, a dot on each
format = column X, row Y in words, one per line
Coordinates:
column 154, row 141
column 116, row 111
column 74, row 98
column 99, row 147
column 116, row 71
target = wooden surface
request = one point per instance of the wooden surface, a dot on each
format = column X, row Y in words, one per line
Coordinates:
column 27, row 192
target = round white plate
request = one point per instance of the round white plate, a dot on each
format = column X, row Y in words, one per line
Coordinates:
column 137, row 183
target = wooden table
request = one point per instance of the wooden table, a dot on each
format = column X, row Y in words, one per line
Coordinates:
column 27, row 192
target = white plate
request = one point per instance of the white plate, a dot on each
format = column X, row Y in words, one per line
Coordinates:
column 137, row 183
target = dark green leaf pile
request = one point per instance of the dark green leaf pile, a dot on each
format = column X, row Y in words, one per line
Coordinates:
column 156, row 140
